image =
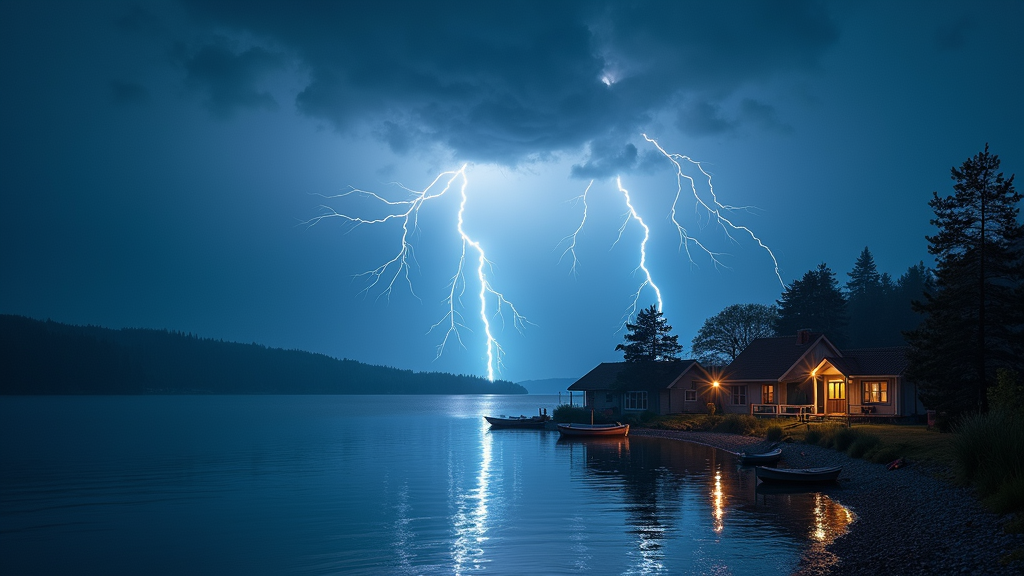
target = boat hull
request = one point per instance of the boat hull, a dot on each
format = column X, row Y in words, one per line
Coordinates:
column 516, row 422
column 761, row 458
column 797, row 475
column 593, row 430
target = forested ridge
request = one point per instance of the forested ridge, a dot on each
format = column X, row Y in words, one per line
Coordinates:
column 46, row 357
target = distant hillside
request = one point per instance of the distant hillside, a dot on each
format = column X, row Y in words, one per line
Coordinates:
column 39, row 357
column 547, row 385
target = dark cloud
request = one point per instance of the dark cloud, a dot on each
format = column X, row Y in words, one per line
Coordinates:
column 507, row 83
column 128, row 93
column 231, row 78
column 702, row 118
column 763, row 115
column 606, row 159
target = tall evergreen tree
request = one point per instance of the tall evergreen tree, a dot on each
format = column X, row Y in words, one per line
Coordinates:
column 974, row 318
column 866, row 302
column 816, row 303
column 723, row 336
column 649, row 338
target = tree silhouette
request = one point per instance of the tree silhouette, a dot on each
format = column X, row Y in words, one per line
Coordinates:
column 726, row 334
column 975, row 316
column 814, row 302
column 649, row 338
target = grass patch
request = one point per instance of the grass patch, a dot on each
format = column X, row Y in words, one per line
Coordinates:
column 988, row 453
column 773, row 433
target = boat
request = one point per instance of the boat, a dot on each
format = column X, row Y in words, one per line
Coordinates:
column 826, row 474
column 517, row 421
column 770, row 457
column 593, row 430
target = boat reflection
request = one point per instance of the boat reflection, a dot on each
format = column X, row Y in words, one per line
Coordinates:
column 671, row 490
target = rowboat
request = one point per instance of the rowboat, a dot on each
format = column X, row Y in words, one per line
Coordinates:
column 517, row 421
column 593, row 430
column 770, row 457
column 827, row 474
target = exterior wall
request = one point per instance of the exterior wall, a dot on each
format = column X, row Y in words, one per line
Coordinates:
column 726, row 397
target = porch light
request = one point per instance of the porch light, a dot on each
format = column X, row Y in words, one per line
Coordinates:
column 715, row 384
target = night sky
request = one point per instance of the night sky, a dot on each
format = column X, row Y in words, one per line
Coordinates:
column 159, row 160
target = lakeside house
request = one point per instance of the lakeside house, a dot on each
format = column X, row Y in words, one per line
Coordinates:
column 660, row 387
column 802, row 374
column 807, row 374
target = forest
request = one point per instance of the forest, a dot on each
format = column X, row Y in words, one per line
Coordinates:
column 47, row 357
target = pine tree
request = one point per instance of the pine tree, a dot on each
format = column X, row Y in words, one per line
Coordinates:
column 974, row 319
column 866, row 302
column 814, row 302
column 649, row 338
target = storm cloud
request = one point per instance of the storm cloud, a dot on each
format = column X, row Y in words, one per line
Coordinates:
column 506, row 84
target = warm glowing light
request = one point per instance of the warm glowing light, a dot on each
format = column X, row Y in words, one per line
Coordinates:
column 715, row 384
column 719, row 503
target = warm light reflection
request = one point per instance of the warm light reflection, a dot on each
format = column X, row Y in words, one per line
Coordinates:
column 470, row 518
column 830, row 520
column 718, row 510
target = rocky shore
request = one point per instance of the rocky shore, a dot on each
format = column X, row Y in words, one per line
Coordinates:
column 908, row 522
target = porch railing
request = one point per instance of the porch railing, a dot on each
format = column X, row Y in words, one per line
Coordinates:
column 791, row 410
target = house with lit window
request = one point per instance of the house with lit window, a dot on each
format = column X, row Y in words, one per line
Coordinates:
column 807, row 374
column 614, row 388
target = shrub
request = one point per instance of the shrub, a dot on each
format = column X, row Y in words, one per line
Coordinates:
column 576, row 414
column 863, row 444
column 813, row 435
column 774, row 433
column 883, row 453
column 988, row 451
column 844, row 438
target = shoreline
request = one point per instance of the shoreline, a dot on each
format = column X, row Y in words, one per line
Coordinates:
column 908, row 522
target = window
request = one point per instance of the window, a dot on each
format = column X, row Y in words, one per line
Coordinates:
column 836, row 390
column 690, row 395
column 739, row 394
column 768, row 394
column 876, row 392
column 634, row 400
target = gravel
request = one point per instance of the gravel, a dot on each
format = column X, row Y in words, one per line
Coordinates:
column 907, row 521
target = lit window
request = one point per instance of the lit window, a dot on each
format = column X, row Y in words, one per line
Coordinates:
column 635, row 400
column 738, row 394
column 768, row 394
column 876, row 392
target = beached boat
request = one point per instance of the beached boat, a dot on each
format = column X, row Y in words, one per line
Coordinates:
column 517, row 421
column 770, row 457
column 828, row 474
column 593, row 430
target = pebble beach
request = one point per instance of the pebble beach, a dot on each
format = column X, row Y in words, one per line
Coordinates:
column 908, row 522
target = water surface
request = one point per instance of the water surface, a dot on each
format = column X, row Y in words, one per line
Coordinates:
column 373, row 485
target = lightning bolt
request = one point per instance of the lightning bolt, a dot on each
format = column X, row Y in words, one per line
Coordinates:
column 570, row 240
column 714, row 209
column 643, row 253
column 397, row 268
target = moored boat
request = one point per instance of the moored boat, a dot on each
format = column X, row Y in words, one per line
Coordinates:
column 593, row 430
column 825, row 474
column 770, row 457
column 517, row 421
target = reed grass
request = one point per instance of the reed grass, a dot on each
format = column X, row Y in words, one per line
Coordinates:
column 989, row 454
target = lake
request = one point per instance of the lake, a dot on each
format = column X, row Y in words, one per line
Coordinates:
column 374, row 485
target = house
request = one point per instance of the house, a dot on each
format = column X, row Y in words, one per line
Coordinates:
column 660, row 387
column 806, row 373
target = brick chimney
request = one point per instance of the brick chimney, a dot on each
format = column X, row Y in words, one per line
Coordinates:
column 803, row 335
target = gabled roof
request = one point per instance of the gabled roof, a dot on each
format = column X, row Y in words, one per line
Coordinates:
column 768, row 359
column 605, row 375
column 890, row 361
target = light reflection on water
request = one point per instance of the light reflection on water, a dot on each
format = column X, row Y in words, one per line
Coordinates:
column 375, row 485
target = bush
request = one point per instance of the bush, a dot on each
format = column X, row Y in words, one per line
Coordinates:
column 884, row 453
column 863, row 444
column 577, row 415
column 988, row 452
column 774, row 433
column 844, row 438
